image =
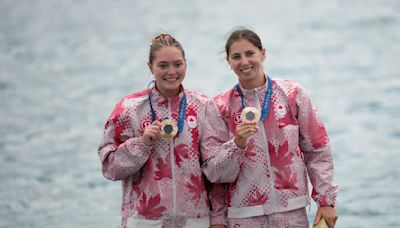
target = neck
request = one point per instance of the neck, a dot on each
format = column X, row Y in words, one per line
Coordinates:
column 258, row 82
column 169, row 93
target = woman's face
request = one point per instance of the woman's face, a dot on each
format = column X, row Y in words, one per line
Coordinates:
column 168, row 68
column 246, row 61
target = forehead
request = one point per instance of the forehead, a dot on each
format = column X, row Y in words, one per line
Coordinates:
column 168, row 54
column 241, row 45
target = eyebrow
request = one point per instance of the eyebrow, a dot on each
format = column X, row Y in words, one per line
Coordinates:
column 167, row 62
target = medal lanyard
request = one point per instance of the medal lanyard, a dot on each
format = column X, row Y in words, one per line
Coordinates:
column 267, row 99
column 182, row 109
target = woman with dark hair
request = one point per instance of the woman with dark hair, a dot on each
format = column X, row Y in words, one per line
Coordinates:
column 276, row 141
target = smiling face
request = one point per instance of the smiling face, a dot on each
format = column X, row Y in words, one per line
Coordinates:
column 246, row 60
column 168, row 68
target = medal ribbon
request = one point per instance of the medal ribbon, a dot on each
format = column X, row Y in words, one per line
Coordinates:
column 267, row 99
column 181, row 113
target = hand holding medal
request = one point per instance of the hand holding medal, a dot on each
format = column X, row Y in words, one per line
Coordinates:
column 250, row 116
column 166, row 128
column 151, row 133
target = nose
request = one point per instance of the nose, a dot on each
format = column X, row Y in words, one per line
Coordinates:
column 244, row 61
column 171, row 71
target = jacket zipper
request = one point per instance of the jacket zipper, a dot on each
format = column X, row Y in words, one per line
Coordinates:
column 271, row 171
column 172, row 157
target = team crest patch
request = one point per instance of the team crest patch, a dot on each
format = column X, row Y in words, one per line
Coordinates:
column 280, row 110
column 191, row 121
column 237, row 117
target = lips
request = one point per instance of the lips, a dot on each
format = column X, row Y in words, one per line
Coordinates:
column 246, row 70
column 171, row 79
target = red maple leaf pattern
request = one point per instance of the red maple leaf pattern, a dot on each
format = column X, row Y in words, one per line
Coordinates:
column 257, row 199
column 281, row 161
column 287, row 120
column 150, row 209
column 181, row 152
column 196, row 187
column 120, row 124
column 285, row 180
column 164, row 169
column 318, row 136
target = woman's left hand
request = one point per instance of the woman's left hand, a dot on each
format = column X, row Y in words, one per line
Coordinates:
column 218, row 226
column 328, row 213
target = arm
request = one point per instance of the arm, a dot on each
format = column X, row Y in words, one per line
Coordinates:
column 121, row 153
column 220, row 155
column 318, row 157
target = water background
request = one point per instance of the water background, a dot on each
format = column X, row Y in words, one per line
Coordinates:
column 65, row 64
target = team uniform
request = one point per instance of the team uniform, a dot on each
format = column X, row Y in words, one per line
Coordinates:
column 268, row 178
column 162, row 185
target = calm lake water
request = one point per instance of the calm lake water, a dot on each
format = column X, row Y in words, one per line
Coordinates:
column 65, row 64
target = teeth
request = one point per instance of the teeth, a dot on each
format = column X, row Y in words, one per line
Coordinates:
column 246, row 70
column 170, row 79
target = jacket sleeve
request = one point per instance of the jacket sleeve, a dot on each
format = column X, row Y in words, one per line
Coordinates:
column 316, row 148
column 121, row 153
column 220, row 155
column 219, row 209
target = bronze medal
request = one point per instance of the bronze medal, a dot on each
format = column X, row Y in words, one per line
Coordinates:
column 250, row 114
column 168, row 128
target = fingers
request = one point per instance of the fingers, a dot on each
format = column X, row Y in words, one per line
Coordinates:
column 156, row 123
column 331, row 221
column 243, row 131
column 153, row 128
column 246, row 128
column 218, row 226
column 328, row 213
column 151, row 133
column 317, row 217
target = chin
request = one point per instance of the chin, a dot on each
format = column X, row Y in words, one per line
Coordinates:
column 173, row 87
column 247, row 78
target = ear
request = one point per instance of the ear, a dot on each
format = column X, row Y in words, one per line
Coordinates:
column 227, row 60
column 150, row 66
column 264, row 54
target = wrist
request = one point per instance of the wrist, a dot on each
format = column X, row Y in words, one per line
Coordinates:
column 146, row 142
column 239, row 144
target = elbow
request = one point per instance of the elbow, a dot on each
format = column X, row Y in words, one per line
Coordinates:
column 110, row 174
column 211, row 174
column 229, row 177
column 220, row 176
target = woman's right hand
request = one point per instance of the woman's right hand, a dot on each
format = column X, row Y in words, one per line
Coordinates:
column 151, row 133
column 243, row 132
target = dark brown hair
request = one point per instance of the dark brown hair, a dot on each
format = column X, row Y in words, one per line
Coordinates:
column 163, row 40
column 245, row 33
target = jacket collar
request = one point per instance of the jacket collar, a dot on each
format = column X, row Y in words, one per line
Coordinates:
column 156, row 96
column 249, row 92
